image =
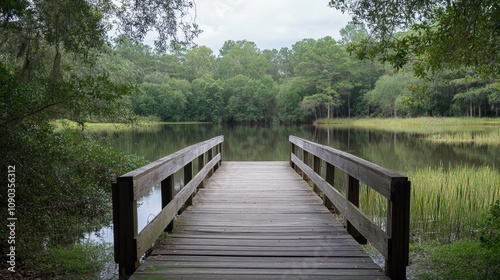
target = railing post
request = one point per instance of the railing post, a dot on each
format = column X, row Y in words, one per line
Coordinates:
column 353, row 197
column 292, row 152
column 167, row 194
column 398, row 226
column 218, row 150
column 317, row 170
column 201, row 164
column 330, row 178
column 125, row 227
column 210, row 157
column 305, row 159
column 188, row 175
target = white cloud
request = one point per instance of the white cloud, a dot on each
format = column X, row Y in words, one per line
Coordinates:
column 268, row 23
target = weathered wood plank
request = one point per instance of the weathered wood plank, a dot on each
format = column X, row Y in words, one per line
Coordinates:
column 257, row 221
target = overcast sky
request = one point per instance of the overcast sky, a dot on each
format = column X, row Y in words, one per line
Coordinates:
column 268, row 23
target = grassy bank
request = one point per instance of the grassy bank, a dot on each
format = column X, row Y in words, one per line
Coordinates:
column 406, row 122
column 453, row 131
column 110, row 127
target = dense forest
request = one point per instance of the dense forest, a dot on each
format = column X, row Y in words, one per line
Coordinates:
column 313, row 79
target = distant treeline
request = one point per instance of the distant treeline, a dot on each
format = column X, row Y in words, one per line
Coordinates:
column 314, row 79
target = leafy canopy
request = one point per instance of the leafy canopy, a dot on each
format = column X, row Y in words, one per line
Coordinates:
column 439, row 34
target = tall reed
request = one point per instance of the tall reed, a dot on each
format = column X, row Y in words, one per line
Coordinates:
column 467, row 137
column 447, row 204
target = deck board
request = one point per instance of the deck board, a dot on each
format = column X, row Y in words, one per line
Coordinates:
column 257, row 220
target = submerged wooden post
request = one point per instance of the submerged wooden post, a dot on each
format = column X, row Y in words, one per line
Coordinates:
column 353, row 197
column 167, row 194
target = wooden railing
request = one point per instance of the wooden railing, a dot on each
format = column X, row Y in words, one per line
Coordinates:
column 130, row 245
column 393, row 243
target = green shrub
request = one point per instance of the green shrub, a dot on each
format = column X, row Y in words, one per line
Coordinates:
column 63, row 190
column 467, row 259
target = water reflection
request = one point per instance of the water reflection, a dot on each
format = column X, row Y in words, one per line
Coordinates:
column 402, row 151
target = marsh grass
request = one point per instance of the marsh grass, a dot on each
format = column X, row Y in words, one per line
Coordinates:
column 424, row 121
column 425, row 125
column 145, row 125
column 447, row 204
column 466, row 137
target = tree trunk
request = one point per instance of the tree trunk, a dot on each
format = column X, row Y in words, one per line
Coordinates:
column 348, row 106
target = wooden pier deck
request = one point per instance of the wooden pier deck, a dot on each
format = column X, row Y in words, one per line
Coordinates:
column 257, row 220
column 260, row 220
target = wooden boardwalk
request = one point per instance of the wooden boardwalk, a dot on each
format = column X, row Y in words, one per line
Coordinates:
column 257, row 220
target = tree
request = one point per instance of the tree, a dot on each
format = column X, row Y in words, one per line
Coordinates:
column 440, row 33
column 386, row 99
column 316, row 105
column 198, row 61
column 253, row 101
column 167, row 19
column 206, row 102
column 240, row 58
column 353, row 33
column 53, row 65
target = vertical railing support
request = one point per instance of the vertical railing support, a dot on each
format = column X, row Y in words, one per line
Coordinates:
column 305, row 159
column 353, row 197
column 167, row 194
column 330, row 178
column 188, row 175
column 201, row 164
column 292, row 152
column 398, row 225
column 317, row 170
column 210, row 157
column 125, row 227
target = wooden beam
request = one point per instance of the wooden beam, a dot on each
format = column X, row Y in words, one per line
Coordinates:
column 167, row 194
column 146, row 177
column 353, row 197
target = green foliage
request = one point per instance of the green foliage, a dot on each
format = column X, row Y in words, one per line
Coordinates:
column 316, row 105
column 63, row 185
column 76, row 261
column 466, row 259
column 168, row 20
column 439, row 34
column 490, row 235
column 458, row 260
column 387, row 99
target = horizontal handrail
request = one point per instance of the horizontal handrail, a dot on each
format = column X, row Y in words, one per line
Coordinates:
column 393, row 243
column 144, row 178
column 130, row 245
